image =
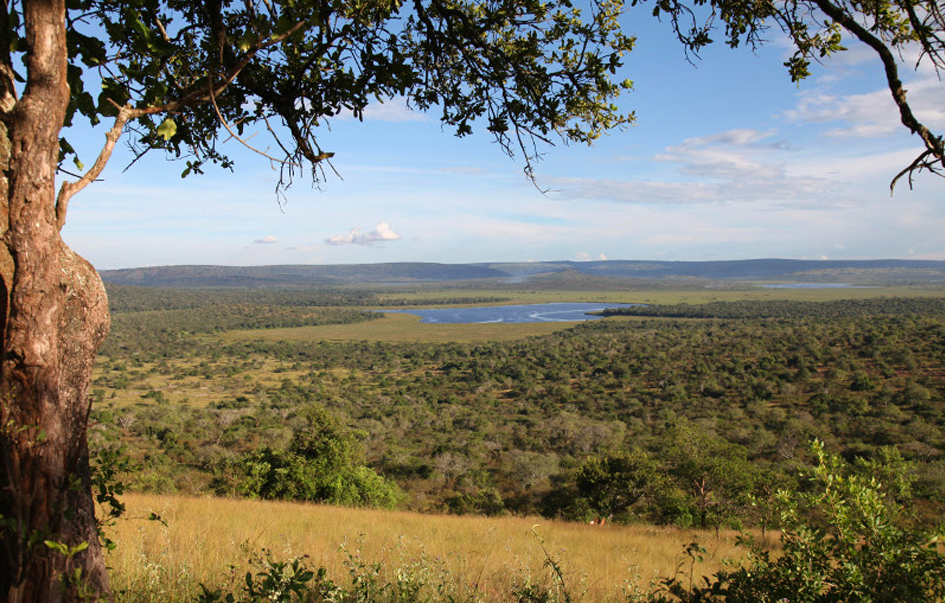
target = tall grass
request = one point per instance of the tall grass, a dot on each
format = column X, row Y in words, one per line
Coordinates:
column 210, row 540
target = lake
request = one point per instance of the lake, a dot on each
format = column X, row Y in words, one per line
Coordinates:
column 556, row 312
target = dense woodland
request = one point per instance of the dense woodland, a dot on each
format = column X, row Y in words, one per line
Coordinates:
column 687, row 415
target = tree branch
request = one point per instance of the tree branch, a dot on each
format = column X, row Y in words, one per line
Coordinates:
column 199, row 94
column 226, row 125
column 934, row 145
column 70, row 188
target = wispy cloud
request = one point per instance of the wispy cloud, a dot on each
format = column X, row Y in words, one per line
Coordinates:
column 733, row 154
column 267, row 240
column 743, row 165
column 634, row 191
column 382, row 232
column 465, row 170
column 870, row 114
column 395, row 110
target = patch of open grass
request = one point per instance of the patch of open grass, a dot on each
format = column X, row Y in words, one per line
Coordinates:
column 402, row 327
column 406, row 327
column 176, row 382
column 208, row 540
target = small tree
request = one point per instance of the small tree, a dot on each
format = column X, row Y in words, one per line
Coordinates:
column 716, row 475
column 612, row 484
column 324, row 463
column 841, row 543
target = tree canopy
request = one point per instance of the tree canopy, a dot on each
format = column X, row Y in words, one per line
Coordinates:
column 180, row 73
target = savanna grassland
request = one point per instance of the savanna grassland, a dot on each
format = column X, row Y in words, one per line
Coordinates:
column 686, row 416
column 213, row 541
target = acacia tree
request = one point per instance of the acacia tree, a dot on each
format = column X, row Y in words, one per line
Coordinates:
column 614, row 483
column 173, row 74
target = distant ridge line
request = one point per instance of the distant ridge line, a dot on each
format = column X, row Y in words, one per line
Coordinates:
column 305, row 275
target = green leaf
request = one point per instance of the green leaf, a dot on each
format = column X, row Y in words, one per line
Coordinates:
column 246, row 41
column 57, row 546
column 167, row 129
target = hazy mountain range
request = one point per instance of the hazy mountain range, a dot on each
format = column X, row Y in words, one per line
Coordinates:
column 613, row 272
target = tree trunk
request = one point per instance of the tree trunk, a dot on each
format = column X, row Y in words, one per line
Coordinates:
column 54, row 318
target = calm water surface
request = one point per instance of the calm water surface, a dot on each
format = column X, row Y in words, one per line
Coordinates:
column 557, row 312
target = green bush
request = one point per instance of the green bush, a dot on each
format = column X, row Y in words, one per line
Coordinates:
column 842, row 542
column 322, row 464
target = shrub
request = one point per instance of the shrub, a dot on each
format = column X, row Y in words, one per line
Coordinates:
column 841, row 543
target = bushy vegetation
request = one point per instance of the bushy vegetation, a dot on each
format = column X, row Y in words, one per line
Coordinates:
column 844, row 538
column 790, row 309
column 693, row 415
column 321, row 464
column 720, row 405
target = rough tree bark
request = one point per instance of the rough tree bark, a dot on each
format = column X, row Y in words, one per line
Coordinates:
column 53, row 318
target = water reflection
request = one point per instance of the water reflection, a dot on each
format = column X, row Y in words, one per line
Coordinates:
column 555, row 312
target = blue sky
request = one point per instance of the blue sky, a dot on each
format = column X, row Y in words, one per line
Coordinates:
column 728, row 160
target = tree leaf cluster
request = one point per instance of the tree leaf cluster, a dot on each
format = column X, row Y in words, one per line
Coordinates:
column 182, row 73
column 840, row 541
column 323, row 463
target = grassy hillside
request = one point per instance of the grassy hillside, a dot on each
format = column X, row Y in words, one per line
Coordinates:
column 209, row 541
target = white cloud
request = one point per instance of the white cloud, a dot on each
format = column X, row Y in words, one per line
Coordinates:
column 734, row 166
column 584, row 256
column 382, row 232
column 749, row 166
column 734, row 154
column 738, row 137
column 870, row 114
column 634, row 191
column 267, row 240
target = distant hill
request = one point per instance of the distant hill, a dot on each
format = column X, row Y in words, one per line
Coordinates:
column 759, row 270
column 297, row 275
column 610, row 273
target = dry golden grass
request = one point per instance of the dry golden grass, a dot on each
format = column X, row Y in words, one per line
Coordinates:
column 205, row 538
